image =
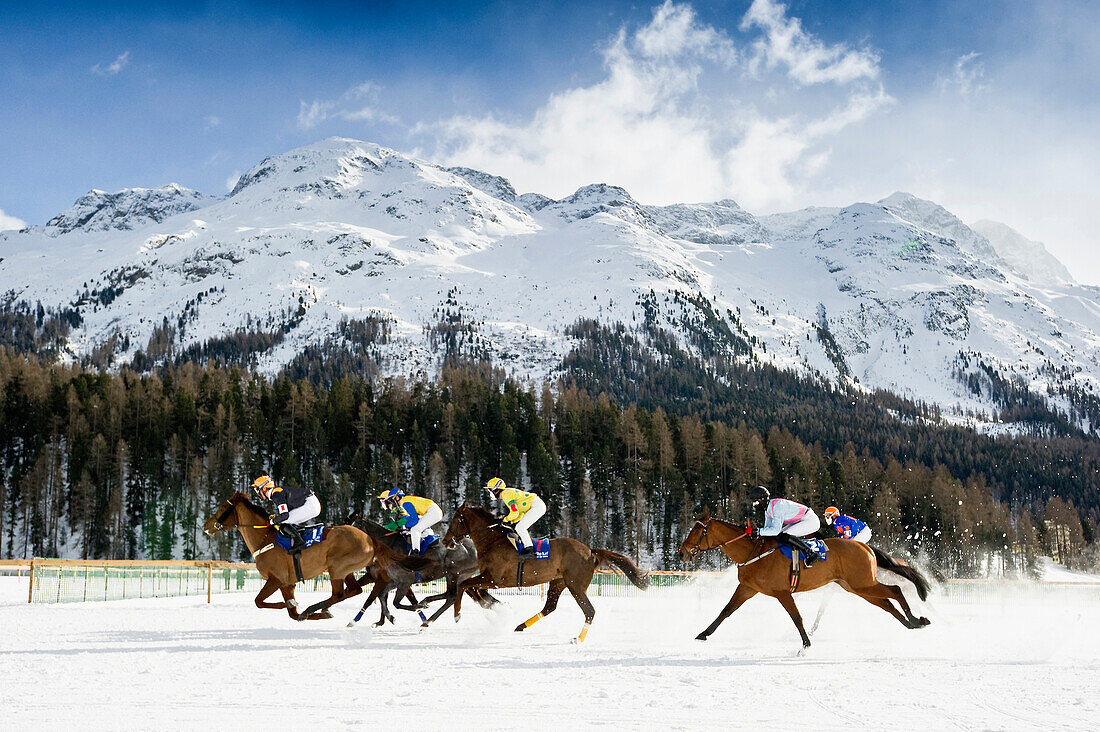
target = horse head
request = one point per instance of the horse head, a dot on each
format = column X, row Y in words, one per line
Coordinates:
column 694, row 542
column 458, row 527
column 227, row 516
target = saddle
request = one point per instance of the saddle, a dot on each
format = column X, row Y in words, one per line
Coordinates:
column 308, row 535
column 795, row 555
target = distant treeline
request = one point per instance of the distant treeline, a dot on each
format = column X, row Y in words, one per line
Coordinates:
column 127, row 465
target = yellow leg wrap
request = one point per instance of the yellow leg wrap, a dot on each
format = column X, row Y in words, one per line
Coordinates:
column 531, row 621
column 584, row 634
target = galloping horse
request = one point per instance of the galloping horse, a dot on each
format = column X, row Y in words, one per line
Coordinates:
column 571, row 565
column 762, row 569
column 455, row 564
column 342, row 551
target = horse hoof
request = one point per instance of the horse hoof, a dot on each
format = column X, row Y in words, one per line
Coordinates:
column 700, row 637
column 521, row 627
column 457, row 617
column 351, row 624
column 325, row 614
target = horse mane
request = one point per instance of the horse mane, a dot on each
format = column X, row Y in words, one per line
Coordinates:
column 251, row 506
column 483, row 513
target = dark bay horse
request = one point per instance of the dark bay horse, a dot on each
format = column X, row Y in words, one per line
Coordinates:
column 343, row 551
column 762, row 569
column 454, row 564
column 570, row 566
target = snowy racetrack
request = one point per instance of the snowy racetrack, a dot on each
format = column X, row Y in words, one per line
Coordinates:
column 999, row 661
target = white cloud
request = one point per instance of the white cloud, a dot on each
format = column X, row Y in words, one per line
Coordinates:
column 231, row 181
column 210, row 122
column 808, row 60
column 114, row 67
column 10, row 222
column 360, row 103
column 967, row 76
column 668, row 121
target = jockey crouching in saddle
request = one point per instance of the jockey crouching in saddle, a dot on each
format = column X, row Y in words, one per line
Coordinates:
column 847, row 527
column 788, row 521
column 293, row 506
column 410, row 514
column 524, row 509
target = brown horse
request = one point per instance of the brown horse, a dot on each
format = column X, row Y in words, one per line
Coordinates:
column 571, row 565
column 762, row 569
column 343, row 550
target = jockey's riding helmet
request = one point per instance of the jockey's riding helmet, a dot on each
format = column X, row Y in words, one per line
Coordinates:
column 390, row 496
column 263, row 485
column 495, row 485
column 831, row 513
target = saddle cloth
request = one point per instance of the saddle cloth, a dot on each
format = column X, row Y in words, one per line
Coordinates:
column 310, row 535
column 817, row 544
column 542, row 546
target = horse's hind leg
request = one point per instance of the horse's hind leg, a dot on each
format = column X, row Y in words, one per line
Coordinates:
column 553, row 592
column 320, row 610
column 741, row 594
column 880, row 595
column 786, row 599
column 581, row 597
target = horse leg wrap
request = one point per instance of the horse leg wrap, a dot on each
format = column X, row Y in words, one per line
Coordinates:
column 584, row 633
column 532, row 620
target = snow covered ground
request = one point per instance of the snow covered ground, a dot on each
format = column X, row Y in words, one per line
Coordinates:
column 995, row 658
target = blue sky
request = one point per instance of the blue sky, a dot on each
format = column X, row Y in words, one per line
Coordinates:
column 989, row 108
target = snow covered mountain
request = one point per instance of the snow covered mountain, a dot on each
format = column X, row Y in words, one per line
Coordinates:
column 898, row 295
column 1030, row 258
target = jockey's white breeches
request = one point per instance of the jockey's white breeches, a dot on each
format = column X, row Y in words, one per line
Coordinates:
column 538, row 508
column 309, row 510
column 863, row 536
column 431, row 517
column 805, row 526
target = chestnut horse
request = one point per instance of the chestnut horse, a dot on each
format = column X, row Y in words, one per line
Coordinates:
column 342, row 551
column 570, row 566
column 762, row 569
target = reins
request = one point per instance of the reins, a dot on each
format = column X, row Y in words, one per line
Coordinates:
column 747, row 532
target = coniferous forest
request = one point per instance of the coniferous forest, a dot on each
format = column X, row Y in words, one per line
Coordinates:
column 99, row 464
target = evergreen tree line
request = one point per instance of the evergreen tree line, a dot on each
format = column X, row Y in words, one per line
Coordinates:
column 127, row 465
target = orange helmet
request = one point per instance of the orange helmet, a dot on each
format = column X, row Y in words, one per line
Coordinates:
column 263, row 485
column 831, row 513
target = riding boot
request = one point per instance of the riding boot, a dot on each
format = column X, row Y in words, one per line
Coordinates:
column 291, row 533
column 808, row 554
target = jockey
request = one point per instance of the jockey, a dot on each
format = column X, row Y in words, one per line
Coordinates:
column 412, row 514
column 787, row 521
column 524, row 509
column 294, row 506
column 846, row 526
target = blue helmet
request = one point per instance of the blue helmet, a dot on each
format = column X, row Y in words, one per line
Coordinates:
column 393, row 495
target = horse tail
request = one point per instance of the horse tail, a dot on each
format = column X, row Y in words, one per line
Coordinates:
column 899, row 566
column 636, row 576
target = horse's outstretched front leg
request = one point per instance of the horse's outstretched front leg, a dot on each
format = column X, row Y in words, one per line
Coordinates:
column 741, row 594
column 786, row 599
column 553, row 592
column 267, row 591
column 366, row 603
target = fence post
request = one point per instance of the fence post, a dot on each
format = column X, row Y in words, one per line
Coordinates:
column 30, row 593
column 209, row 580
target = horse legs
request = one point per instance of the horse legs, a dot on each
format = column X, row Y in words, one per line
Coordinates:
column 880, row 595
column 553, row 592
column 290, row 602
column 267, row 591
column 366, row 603
column 581, row 597
column 482, row 580
column 320, row 610
column 786, row 599
column 742, row 593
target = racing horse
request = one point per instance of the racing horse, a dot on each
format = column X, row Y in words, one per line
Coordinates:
column 342, row 551
column 570, row 566
column 762, row 569
column 455, row 564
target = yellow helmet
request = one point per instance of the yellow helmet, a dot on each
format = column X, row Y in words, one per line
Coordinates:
column 495, row 484
column 264, row 481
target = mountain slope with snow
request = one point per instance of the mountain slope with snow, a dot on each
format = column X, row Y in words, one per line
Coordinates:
column 1030, row 258
column 898, row 295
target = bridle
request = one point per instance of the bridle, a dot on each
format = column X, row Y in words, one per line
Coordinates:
column 224, row 515
column 698, row 547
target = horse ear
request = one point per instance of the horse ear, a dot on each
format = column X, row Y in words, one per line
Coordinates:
column 706, row 515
